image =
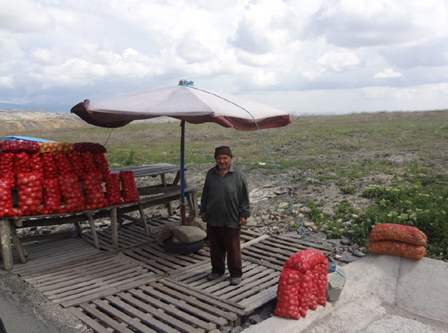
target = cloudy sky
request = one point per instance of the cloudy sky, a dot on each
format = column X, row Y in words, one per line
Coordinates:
column 303, row 56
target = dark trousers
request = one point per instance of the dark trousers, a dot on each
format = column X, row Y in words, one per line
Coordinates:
column 225, row 241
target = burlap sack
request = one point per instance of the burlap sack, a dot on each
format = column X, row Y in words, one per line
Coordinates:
column 189, row 234
column 165, row 232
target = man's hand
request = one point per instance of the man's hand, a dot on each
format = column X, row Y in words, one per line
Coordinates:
column 203, row 217
column 243, row 221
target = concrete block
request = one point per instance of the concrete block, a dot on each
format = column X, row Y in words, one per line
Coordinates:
column 335, row 284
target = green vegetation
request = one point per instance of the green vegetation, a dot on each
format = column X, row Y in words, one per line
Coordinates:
column 422, row 206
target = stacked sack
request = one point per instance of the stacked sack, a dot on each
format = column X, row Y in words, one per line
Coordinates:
column 59, row 177
column 397, row 240
column 302, row 284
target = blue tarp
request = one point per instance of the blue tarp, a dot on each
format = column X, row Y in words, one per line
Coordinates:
column 23, row 138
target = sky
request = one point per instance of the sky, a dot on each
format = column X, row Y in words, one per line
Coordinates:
column 302, row 56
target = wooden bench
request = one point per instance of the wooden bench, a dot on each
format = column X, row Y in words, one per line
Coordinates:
column 148, row 197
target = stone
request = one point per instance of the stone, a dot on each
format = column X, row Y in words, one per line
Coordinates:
column 318, row 237
column 347, row 257
column 283, row 204
column 251, row 223
column 305, row 209
column 292, row 234
column 346, row 241
column 255, row 319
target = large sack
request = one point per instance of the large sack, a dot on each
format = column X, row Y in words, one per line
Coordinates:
column 399, row 249
column 189, row 234
column 305, row 260
column 191, row 220
column 397, row 232
column 302, row 284
column 167, row 231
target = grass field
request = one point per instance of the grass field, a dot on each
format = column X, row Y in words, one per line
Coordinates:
column 408, row 150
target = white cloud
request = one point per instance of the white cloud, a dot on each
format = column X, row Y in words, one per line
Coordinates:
column 386, row 73
column 338, row 59
column 24, row 16
column 6, row 81
column 423, row 92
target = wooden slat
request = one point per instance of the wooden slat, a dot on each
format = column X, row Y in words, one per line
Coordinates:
column 191, row 299
column 223, row 303
column 148, row 170
column 166, row 308
column 53, row 253
column 93, row 323
column 123, row 317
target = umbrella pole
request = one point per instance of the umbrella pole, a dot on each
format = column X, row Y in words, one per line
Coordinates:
column 182, row 173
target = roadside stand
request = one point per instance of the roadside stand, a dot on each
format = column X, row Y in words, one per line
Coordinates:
column 50, row 184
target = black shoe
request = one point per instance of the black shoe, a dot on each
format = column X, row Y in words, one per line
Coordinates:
column 213, row 276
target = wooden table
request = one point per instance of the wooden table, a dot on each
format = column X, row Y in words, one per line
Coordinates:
column 161, row 193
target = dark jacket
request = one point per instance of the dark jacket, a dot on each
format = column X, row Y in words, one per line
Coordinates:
column 225, row 198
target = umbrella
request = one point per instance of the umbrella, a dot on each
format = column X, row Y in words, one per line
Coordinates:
column 186, row 103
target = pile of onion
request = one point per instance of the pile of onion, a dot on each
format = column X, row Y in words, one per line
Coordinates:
column 113, row 189
column 52, row 196
column 30, row 193
column 71, row 192
column 49, row 165
column 6, row 207
column 128, row 186
column 93, row 190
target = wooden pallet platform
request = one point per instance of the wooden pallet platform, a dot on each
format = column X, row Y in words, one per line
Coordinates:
column 258, row 287
column 46, row 255
column 141, row 288
column 273, row 251
column 152, row 255
column 159, row 306
column 93, row 278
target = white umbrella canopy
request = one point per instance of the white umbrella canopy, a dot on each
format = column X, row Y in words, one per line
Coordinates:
column 186, row 103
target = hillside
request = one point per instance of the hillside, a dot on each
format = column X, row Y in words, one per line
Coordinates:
column 16, row 122
column 19, row 121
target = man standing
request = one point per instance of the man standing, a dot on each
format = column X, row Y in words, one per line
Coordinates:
column 225, row 207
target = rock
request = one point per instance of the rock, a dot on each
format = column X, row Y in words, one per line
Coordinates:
column 318, row 237
column 292, row 234
column 359, row 254
column 346, row 241
column 255, row 319
column 305, row 210
column 347, row 257
column 251, row 223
